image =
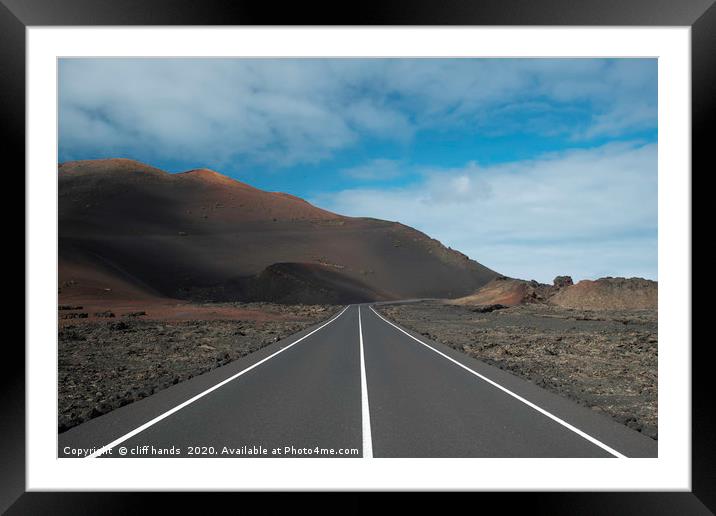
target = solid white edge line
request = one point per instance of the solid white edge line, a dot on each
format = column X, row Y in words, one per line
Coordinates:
column 169, row 412
column 365, row 409
column 514, row 395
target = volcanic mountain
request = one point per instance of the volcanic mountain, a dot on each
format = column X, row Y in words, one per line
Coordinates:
column 129, row 230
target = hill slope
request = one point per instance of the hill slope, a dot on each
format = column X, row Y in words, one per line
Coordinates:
column 507, row 292
column 128, row 229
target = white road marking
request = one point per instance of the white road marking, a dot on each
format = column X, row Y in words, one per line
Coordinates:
column 507, row 391
column 169, row 412
column 365, row 409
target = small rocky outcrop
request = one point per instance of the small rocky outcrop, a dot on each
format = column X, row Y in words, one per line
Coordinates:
column 609, row 294
column 563, row 281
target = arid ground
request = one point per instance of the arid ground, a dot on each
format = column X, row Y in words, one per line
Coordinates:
column 605, row 360
column 109, row 357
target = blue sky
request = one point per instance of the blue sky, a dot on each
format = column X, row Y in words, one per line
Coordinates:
column 533, row 167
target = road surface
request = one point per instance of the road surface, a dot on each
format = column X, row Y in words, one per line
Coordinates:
column 355, row 386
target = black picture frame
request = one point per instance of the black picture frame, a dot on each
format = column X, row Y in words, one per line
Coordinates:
column 17, row 15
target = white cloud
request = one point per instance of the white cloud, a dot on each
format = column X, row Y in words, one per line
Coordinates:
column 587, row 213
column 209, row 110
column 379, row 120
column 638, row 114
column 283, row 111
column 455, row 186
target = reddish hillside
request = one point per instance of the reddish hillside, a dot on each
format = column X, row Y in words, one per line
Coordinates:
column 137, row 230
column 507, row 292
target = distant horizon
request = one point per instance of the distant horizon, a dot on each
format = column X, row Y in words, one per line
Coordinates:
column 535, row 168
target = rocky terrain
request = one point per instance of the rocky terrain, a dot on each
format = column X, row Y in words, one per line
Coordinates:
column 609, row 294
column 601, row 294
column 606, row 360
column 105, row 362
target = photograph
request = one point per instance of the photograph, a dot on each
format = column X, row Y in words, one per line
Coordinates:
column 351, row 258
column 434, row 250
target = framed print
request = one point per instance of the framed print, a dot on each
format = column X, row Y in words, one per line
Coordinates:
column 438, row 249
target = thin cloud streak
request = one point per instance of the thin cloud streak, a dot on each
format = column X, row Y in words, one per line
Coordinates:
column 376, row 170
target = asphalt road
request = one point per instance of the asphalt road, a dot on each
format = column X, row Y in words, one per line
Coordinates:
column 354, row 386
